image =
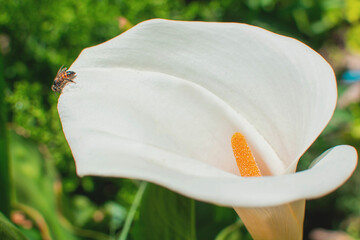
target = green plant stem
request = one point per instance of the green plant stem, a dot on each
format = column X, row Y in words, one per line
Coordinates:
column 5, row 181
column 132, row 211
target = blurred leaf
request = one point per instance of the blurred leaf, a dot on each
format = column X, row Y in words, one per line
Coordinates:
column 352, row 10
column 352, row 39
column 5, row 188
column 34, row 179
column 83, row 210
column 165, row 215
column 221, row 217
column 8, row 231
column 118, row 216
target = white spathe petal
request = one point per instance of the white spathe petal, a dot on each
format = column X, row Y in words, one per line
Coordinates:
column 161, row 102
column 279, row 85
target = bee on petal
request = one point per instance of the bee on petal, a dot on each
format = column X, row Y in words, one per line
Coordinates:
column 62, row 78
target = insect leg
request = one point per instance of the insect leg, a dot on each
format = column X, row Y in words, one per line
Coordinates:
column 70, row 79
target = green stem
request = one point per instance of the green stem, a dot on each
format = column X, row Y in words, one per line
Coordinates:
column 5, row 181
column 132, row 211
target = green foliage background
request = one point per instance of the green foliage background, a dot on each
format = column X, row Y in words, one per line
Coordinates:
column 37, row 37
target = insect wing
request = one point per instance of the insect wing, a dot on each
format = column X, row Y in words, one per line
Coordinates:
column 61, row 70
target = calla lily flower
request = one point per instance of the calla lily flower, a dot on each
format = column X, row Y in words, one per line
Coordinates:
column 162, row 101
